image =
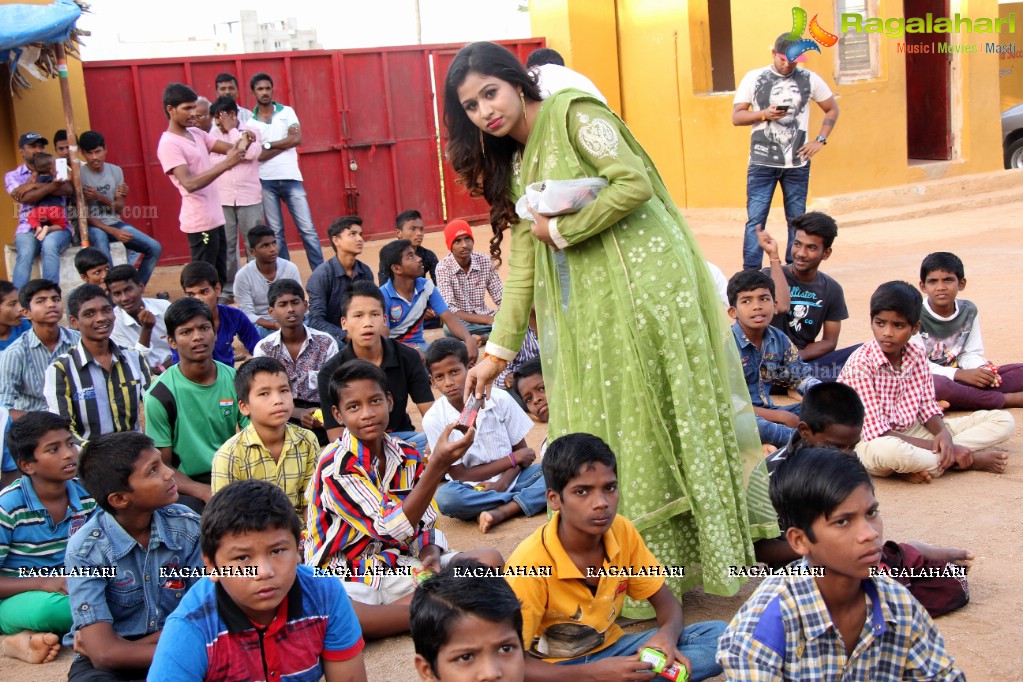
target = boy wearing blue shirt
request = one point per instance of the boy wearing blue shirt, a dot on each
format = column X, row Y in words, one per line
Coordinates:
column 409, row 295
column 200, row 280
column 145, row 537
column 38, row 513
column 834, row 617
column 767, row 355
column 262, row 616
column 13, row 322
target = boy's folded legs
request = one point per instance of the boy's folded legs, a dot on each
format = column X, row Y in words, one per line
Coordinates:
column 36, row 611
column 461, row 501
column 698, row 643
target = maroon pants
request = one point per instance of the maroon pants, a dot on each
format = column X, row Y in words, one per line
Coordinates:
column 970, row 398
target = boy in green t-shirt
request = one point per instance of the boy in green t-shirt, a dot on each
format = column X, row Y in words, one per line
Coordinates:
column 192, row 409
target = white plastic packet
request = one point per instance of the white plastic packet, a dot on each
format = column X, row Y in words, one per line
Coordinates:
column 557, row 197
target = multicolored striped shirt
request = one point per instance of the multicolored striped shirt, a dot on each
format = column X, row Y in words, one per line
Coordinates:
column 244, row 456
column 94, row 400
column 785, row 632
column 355, row 519
column 29, row 536
column 23, row 365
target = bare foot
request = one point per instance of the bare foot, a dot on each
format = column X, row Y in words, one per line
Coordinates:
column 31, row 647
column 489, row 519
column 916, row 477
column 944, row 405
column 947, row 555
column 993, row 461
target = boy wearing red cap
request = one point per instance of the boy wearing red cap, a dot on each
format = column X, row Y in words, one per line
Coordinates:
column 464, row 277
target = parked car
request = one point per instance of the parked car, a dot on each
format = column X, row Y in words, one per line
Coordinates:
column 1012, row 136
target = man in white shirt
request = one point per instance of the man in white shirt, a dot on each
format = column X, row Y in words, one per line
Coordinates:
column 278, row 169
column 552, row 75
column 138, row 321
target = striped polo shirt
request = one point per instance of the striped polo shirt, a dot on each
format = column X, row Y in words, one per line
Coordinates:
column 94, row 400
column 29, row 536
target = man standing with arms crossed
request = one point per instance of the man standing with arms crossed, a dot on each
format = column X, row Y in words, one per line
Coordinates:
column 775, row 101
column 278, row 169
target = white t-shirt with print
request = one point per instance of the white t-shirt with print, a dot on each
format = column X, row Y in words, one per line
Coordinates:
column 775, row 143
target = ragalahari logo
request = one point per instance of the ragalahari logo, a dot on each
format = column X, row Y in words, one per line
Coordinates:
column 797, row 50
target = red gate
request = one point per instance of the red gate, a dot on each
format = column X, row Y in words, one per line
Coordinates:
column 369, row 132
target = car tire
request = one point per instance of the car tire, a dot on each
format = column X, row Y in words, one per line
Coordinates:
column 1014, row 154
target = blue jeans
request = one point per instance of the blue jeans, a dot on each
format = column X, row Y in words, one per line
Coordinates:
column 828, row 366
column 760, row 184
column 777, row 434
column 698, row 643
column 140, row 243
column 292, row 193
column 29, row 247
column 413, row 438
column 462, row 501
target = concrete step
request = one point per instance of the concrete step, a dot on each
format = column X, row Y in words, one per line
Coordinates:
column 922, row 209
column 69, row 278
column 955, row 188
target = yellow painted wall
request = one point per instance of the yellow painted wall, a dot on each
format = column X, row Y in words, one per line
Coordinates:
column 703, row 157
column 1010, row 66
column 37, row 110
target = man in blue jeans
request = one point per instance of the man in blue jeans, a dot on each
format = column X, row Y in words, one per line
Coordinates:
column 24, row 189
column 105, row 190
column 775, row 101
column 278, row 169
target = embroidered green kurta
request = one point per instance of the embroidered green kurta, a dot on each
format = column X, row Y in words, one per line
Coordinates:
column 635, row 345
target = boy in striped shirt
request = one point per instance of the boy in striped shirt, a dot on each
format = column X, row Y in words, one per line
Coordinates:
column 38, row 513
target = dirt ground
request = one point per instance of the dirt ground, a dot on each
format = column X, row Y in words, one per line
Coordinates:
column 978, row 511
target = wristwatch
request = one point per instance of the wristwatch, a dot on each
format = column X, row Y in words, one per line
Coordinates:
column 266, row 145
column 822, row 139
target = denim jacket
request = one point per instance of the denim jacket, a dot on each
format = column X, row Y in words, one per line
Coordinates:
column 136, row 600
column 777, row 363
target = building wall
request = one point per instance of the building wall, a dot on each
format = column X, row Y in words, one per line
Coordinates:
column 39, row 110
column 1010, row 66
column 666, row 98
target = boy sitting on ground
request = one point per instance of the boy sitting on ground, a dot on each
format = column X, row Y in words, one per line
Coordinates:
column 496, row 479
column 364, row 321
column 467, row 627
column 270, row 448
column 569, row 616
column 409, row 294
column 835, row 618
column 138, row 531
column 950, row 335
column 832, row 417
column 38, row 513
column 138, row 322
column 192, row 409
column 768, row 357
column 261, row 616
column 371, row 505
column 200, row 280
column 13, row 322
column 300, row 348
column 903, row 429
column 92, row 266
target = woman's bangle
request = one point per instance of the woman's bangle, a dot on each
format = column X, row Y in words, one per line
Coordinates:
column 511, row 456
column 500, row 361
column 763, row 117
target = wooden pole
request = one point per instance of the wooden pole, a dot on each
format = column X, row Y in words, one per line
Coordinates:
column 72, row 140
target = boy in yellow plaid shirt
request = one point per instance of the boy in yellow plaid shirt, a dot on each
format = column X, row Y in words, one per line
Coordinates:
column 269, row 448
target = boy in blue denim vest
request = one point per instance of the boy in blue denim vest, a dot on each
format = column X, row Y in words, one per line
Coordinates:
column 131, row 563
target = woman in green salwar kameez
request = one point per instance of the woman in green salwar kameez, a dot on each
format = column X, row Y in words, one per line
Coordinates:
column 634, row 343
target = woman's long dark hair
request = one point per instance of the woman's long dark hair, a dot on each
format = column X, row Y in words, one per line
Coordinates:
column 488, row 175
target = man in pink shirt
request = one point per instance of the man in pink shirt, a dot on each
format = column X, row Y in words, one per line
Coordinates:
column 241, row 194
column 184, row 153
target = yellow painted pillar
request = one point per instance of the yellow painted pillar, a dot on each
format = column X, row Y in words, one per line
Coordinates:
column 585, row 32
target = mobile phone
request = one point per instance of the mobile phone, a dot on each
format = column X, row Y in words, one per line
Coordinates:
column 467, row 419
column 783, row 107
column 61, row 166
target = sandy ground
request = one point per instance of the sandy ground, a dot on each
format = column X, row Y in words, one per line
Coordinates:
column 975, row 510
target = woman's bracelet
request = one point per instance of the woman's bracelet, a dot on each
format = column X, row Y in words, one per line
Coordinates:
column 500, row 361
column 511, row 456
